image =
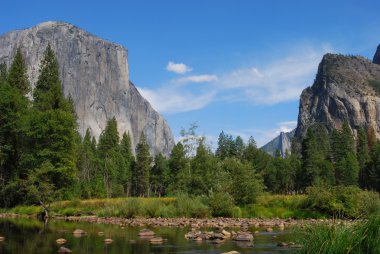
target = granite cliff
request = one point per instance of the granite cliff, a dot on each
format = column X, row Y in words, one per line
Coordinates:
column 282, row 142
column 346, row 88
column 95, row 73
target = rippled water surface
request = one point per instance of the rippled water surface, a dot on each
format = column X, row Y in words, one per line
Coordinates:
column 32, row 236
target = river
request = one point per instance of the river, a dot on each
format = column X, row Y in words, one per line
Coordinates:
column 32, row 236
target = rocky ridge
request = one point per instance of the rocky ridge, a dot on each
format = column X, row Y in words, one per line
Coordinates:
column 282, row 142
column 95, row 74
column 346, row 88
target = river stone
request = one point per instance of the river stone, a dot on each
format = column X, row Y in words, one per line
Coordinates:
column 156, row 240
column 79, row 232
column 108, row 241
column 146, row 232
column 61, row 241
column 243, row 236
column 64, row 250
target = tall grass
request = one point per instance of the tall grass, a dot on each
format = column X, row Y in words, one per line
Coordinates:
column 360, row 238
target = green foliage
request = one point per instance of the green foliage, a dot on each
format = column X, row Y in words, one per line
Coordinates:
column 3, row 72
column 17, row 75
column 246, row 185
column 221, row 204
column 362, row 237
column 159, row 176
column 373, row 168
column 342, row 201
column 375, row 84
column 192, row 207
column 142, row 167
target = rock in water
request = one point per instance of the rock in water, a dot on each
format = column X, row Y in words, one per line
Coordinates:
column 95, row 73
column 346, row 88
column 64, row 250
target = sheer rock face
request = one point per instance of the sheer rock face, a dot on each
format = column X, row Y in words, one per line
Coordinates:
column 282, row 142
column 376, row 58
column 95, row 73
column 346, row 88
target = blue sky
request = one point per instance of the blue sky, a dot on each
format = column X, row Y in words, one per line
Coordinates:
column 235, row 65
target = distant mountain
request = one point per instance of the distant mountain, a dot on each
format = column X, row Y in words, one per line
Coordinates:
column 346, row 88
column 376, row 57
column 95, row 74
column 282, row 142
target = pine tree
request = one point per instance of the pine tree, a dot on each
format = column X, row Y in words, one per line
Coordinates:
column 3, row 73
column 52, row 126
column 362, row 153
column 87, row 165
column 143, row 161
column 109, row 155
column 125, row 173
column 374, row 168
column 179, row 170
column 17, row 75
column 14, row 109
column 239, row 147
column 159, row 175
column 203, row 170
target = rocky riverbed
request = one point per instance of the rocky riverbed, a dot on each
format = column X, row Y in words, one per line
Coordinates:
column 189, row 222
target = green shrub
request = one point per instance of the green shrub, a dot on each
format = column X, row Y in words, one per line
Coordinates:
column 221, row 204
column 236, row 212
column 151, row 208
column 167, row 211
column 191, row 207
column 342, row 201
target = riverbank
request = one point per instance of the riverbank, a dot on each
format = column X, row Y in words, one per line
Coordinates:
column 275, row 224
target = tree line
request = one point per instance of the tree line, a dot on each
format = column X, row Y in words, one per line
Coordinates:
column 42, row 156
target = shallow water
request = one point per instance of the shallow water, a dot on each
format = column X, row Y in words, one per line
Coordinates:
column 32, row 236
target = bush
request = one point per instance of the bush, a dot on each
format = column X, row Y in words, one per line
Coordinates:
column 151, row 207
column 191, row 207
column 342, row 201
column 221, row 204
column 166, row 211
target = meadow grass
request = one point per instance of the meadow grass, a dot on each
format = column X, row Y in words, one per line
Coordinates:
column 358, row 238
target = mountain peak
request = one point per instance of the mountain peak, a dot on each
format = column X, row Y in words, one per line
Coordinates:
column 376, row 57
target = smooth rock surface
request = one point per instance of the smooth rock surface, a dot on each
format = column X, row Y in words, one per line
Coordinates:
column 95, row 73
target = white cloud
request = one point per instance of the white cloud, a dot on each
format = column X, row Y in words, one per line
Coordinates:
column 174, row 100
column 276, row 82
column 179, row 68
column 198, row 79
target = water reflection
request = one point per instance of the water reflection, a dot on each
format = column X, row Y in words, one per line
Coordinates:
column 33, row 236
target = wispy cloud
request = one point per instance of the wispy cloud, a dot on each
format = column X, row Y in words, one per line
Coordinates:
column 198, row 78
column 274, row 82
column 174, row 100
column 179, row 68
